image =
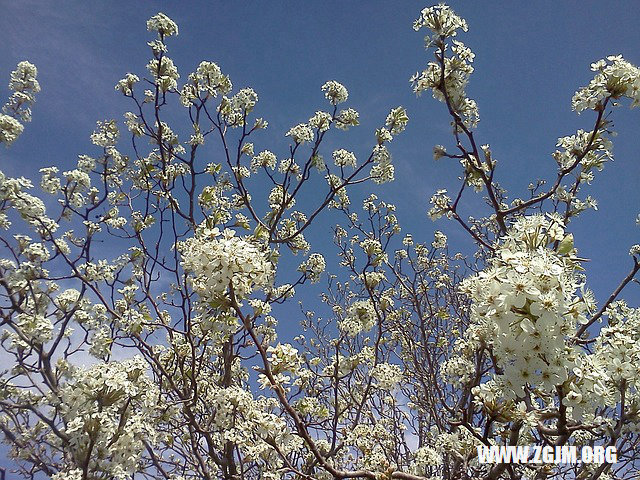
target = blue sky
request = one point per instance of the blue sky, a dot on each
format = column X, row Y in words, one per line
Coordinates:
column 530, row 58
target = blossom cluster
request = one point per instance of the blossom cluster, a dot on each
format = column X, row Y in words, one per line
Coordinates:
column 313, row 267
column 335, row 92
column 615, row 78
column 361, row 317
column 163, row 25
column 24, row 84
column 602, row 378
column 207, row 78
column 524, row 306
column 235, row 109
column 223, row 263
column 109, row 411
column 447, row 85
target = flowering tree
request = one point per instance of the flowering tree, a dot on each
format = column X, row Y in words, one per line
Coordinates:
column 158, row 356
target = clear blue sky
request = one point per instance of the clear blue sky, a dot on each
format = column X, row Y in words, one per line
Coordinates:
column 530, row 58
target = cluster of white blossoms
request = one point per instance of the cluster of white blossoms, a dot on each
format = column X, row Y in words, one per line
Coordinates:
column 382, row 170
column 397, row 120
column 221, row 262
column 615, row 78
column 524, row 306
column 387, row 375
column 371, row 444
column 251, row 425
column 163, row 25
column 321, row 120
column 423, row 458
column 601, row 378
column 208, row 79
column 450, row 85
column 283, row 358
column 109, row 411
column 164, row 72
column 24, row 85
column 440, row 205
column 10, row 129
column 347, row 118
column 301, row 133
column 335, row 92
column 313, row 267
column 235, row 109
column 126, row 84
column 441, row 20
column 361, row 317
column 344, row 158
column 14, row 194
column 265, row 159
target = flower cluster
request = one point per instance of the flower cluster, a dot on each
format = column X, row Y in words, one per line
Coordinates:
column 335, row 92
column 10, row 129
column 109, row 411
column 441, row 205
column 382, row 170
column 163, row 25
column 235, row 109
column 207, row 78
column 321, row 121
column 387, row 375
column 313, row 267
column 301, row 133
column 126, row 84
column 264, row 159
column 449, row 85
column 441, row 20
column 222, row 263
column 164, row 72
column 24, row 84
column 344, row 158
column 397, row 120
column 347, row 118
column 601, row 379
column 615, row 78
column 524, row 305
column 361, row 317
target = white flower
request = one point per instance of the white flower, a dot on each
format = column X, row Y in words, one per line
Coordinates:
column 397, row 120
column 344, row 158
column 300, row 133
column 525, row 305
column 163, row 25
column 440, row 202
column 441, row 20
column 313, row 267
column 387, row 375
column 347, row 118
column 383, row 170
column 335, row 92
column 112, row 407
column 321, row 121
column 223, row 261
column 126, row 84
column 165, row 73
column 264, row 159
column 24, row 85
column 615, row 78
column 361, row 317
column 10, row 129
